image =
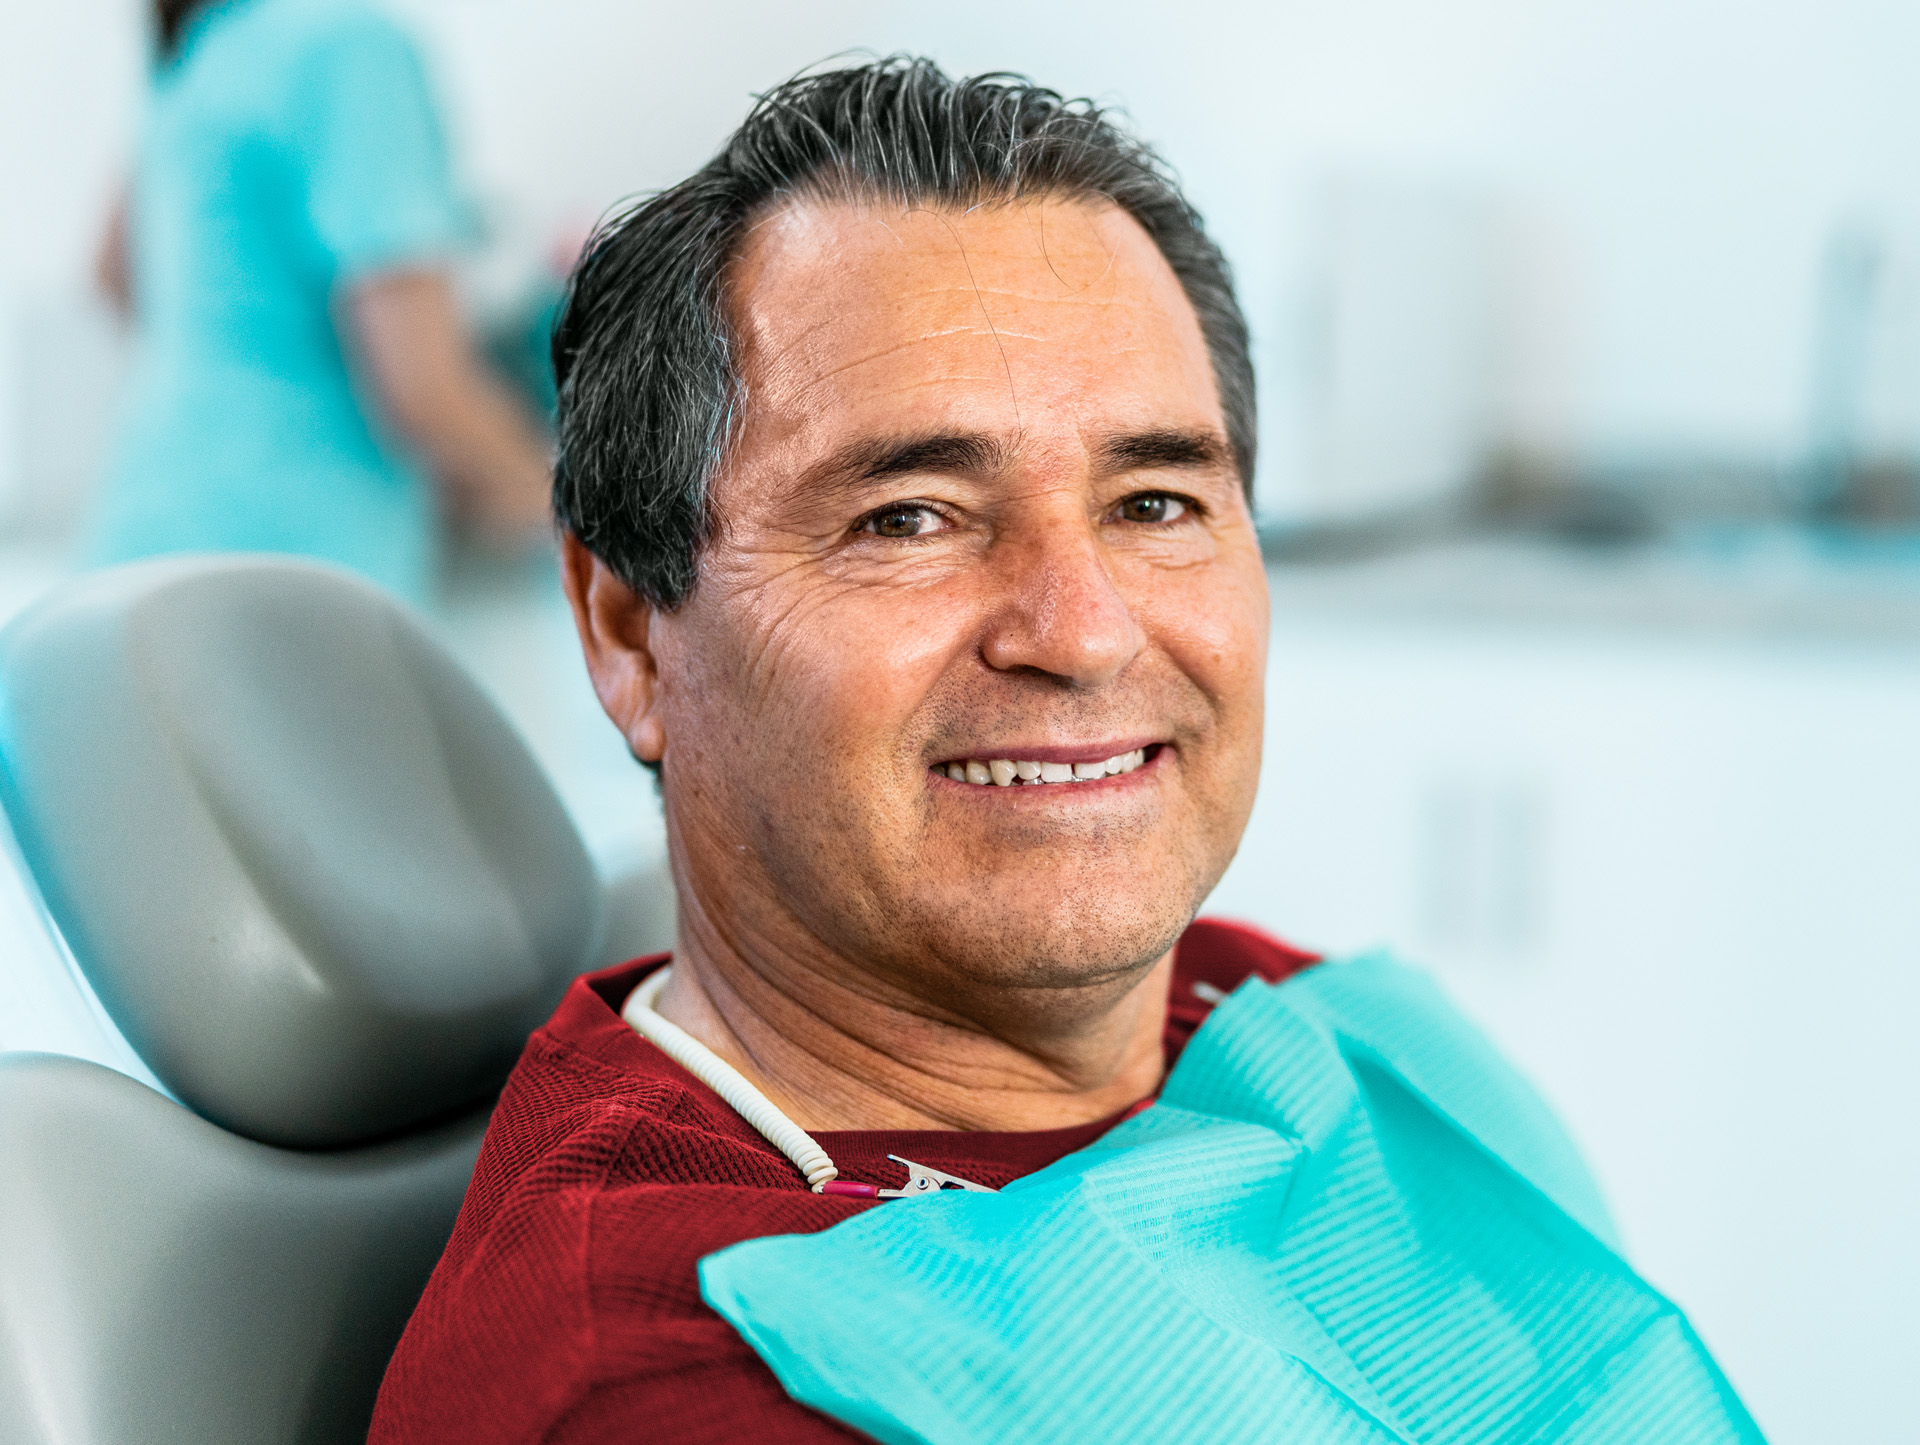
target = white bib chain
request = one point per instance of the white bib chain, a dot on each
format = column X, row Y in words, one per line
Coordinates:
column 726, row 1081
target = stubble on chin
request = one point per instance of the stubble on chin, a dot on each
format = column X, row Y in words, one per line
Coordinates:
column 1028, row 908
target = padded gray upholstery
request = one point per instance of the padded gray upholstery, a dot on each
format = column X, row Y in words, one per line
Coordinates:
column 325, row 891
column 313, row 874
column 163, row 1282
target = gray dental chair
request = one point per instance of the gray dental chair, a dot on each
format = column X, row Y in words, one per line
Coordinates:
column 324, row 890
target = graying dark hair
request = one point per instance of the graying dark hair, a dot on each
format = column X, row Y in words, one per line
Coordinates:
column 644, row 353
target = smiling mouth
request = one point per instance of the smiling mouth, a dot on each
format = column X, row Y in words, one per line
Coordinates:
column 1019, row 772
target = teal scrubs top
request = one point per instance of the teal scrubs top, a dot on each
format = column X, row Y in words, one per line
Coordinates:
column 292, row 148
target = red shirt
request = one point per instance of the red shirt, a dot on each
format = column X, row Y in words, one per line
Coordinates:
column 567, row 1306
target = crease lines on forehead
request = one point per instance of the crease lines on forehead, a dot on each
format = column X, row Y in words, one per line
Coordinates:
column 1013, row 393
column 867, row 358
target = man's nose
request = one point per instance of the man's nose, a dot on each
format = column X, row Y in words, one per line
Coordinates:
column 1057, row 609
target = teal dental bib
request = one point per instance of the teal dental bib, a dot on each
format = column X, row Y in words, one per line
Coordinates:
column 1346, row 1220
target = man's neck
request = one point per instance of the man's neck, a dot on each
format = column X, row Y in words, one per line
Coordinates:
column 837, row 1049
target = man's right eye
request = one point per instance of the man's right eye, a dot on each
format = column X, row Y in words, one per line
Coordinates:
column 902, row 521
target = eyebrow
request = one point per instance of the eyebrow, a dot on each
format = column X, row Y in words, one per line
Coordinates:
column 1166, row 447
column 953, row 452
column 874, row 459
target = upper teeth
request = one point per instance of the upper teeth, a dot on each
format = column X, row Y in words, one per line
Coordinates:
column 1005, row 772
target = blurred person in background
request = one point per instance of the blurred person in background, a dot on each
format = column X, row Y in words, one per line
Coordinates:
column 284, row 248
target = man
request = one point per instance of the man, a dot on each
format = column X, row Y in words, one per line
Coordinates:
column 904, row 487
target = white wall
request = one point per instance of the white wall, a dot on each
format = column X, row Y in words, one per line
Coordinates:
column 70, row 77
column 70, row 80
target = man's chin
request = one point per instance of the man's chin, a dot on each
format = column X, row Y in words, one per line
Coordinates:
column 1046, row 937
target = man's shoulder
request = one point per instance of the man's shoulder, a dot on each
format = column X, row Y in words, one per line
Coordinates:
column 614, row 1179
column 607, row 1173
column 592, row 1106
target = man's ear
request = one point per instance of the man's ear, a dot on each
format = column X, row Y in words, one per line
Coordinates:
column 614, row 623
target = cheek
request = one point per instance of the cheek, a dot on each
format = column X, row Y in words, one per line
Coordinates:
column 825, row 677
column 1212, row 621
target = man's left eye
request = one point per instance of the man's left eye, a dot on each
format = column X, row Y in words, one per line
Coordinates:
column 904, row 521
column 1151, row 507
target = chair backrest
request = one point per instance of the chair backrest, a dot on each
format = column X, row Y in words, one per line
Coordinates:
column 163, row 1280
column 326, row 892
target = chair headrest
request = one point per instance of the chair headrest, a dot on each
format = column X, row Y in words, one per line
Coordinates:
column 313, row 873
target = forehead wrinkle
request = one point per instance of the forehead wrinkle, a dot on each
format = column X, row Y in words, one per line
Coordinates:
column 763, row 351
column 1007, row 291
column 808, row 332
column 805, row 400
column 772, row 351
column 943, row 384
column 1119, row 348
column 885, row 351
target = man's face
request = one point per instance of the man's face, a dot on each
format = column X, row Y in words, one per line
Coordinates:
column 981, row 510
